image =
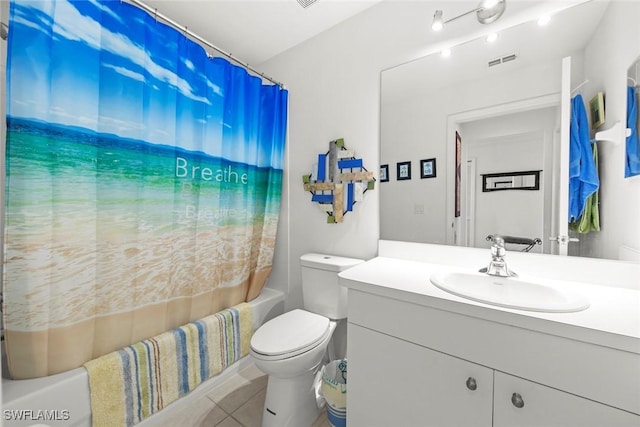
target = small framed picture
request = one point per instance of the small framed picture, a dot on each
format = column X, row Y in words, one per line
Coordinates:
column 384, row 173
column 428, row 168
column 596, row 107
column 404, row 170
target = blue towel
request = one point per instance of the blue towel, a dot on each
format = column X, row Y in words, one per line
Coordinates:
column 632, row 164
column 583, row 173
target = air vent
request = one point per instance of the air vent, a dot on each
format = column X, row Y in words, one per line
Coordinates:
column 502, row 60
column 306, row 3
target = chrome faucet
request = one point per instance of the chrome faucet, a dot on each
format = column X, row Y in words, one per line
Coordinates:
column 498, row 266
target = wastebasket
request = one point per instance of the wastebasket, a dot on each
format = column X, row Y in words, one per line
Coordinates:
column 334, row 391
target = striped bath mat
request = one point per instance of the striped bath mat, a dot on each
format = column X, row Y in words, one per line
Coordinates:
column 133, row 383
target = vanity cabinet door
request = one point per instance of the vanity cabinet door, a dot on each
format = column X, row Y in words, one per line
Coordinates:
column 393, row 382
column 520, row 403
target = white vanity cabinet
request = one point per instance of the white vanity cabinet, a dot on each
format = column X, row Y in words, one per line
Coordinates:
column 396, row 383
column 411, row 360
column 393, row 382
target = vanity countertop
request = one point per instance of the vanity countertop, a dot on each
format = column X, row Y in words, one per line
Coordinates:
column 612, row 320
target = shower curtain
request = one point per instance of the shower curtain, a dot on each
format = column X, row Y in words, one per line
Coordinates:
column 143, row 182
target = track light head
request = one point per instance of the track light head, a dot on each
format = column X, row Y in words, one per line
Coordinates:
column 438, row 22
column 488, row 11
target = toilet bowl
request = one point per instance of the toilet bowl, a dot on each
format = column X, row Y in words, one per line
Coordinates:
column 290, row 348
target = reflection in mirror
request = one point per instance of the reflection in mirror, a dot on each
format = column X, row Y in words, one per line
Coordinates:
column 632, row 166
column 507, row 115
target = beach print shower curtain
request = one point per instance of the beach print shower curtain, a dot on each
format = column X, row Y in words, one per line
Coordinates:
column 143, row 182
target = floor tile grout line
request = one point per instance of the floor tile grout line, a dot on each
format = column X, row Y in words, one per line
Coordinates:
column 237, row 420
column 248, row 400
column 230, row 414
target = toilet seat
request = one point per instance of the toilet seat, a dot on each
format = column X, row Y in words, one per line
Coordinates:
column 290, row 334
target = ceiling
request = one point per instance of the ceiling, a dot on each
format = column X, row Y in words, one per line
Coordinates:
column 254, row 31
column 569, row 31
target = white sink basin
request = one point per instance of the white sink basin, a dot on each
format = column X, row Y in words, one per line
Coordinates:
column 510, row 292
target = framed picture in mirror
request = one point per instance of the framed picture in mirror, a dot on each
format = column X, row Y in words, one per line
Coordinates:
column 524, row 180
column 428, row 168
column 403, row 171
column 384, row 173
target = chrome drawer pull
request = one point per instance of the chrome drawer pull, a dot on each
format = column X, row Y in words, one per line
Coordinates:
column 471, row 383
column 517, row 400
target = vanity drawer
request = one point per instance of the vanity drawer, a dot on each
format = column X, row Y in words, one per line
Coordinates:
column 596, row 372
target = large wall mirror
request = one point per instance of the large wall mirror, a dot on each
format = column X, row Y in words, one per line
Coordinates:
column 489, row 108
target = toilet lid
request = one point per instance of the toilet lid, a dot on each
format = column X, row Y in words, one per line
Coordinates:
column 290, row 332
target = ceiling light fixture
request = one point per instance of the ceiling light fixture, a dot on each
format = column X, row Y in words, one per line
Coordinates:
column 488, row 11
column 438, row 23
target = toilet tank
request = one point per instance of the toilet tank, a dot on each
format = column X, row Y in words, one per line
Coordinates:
column 321, row 291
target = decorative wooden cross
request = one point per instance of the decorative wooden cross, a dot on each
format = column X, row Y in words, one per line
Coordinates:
column 339, row 181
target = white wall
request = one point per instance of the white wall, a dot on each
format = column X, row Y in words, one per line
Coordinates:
column 333, row 82
column 614, row 47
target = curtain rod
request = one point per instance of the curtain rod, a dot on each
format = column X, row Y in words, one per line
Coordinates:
column 195, row 36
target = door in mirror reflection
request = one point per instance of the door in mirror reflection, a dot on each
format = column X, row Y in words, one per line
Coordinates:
column 507, row 184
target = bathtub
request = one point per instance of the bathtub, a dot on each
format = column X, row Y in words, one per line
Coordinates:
column 65, row 396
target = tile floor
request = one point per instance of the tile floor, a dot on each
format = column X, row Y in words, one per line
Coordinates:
column 238, row 402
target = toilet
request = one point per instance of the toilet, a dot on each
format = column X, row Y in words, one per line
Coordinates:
column 291, row 347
